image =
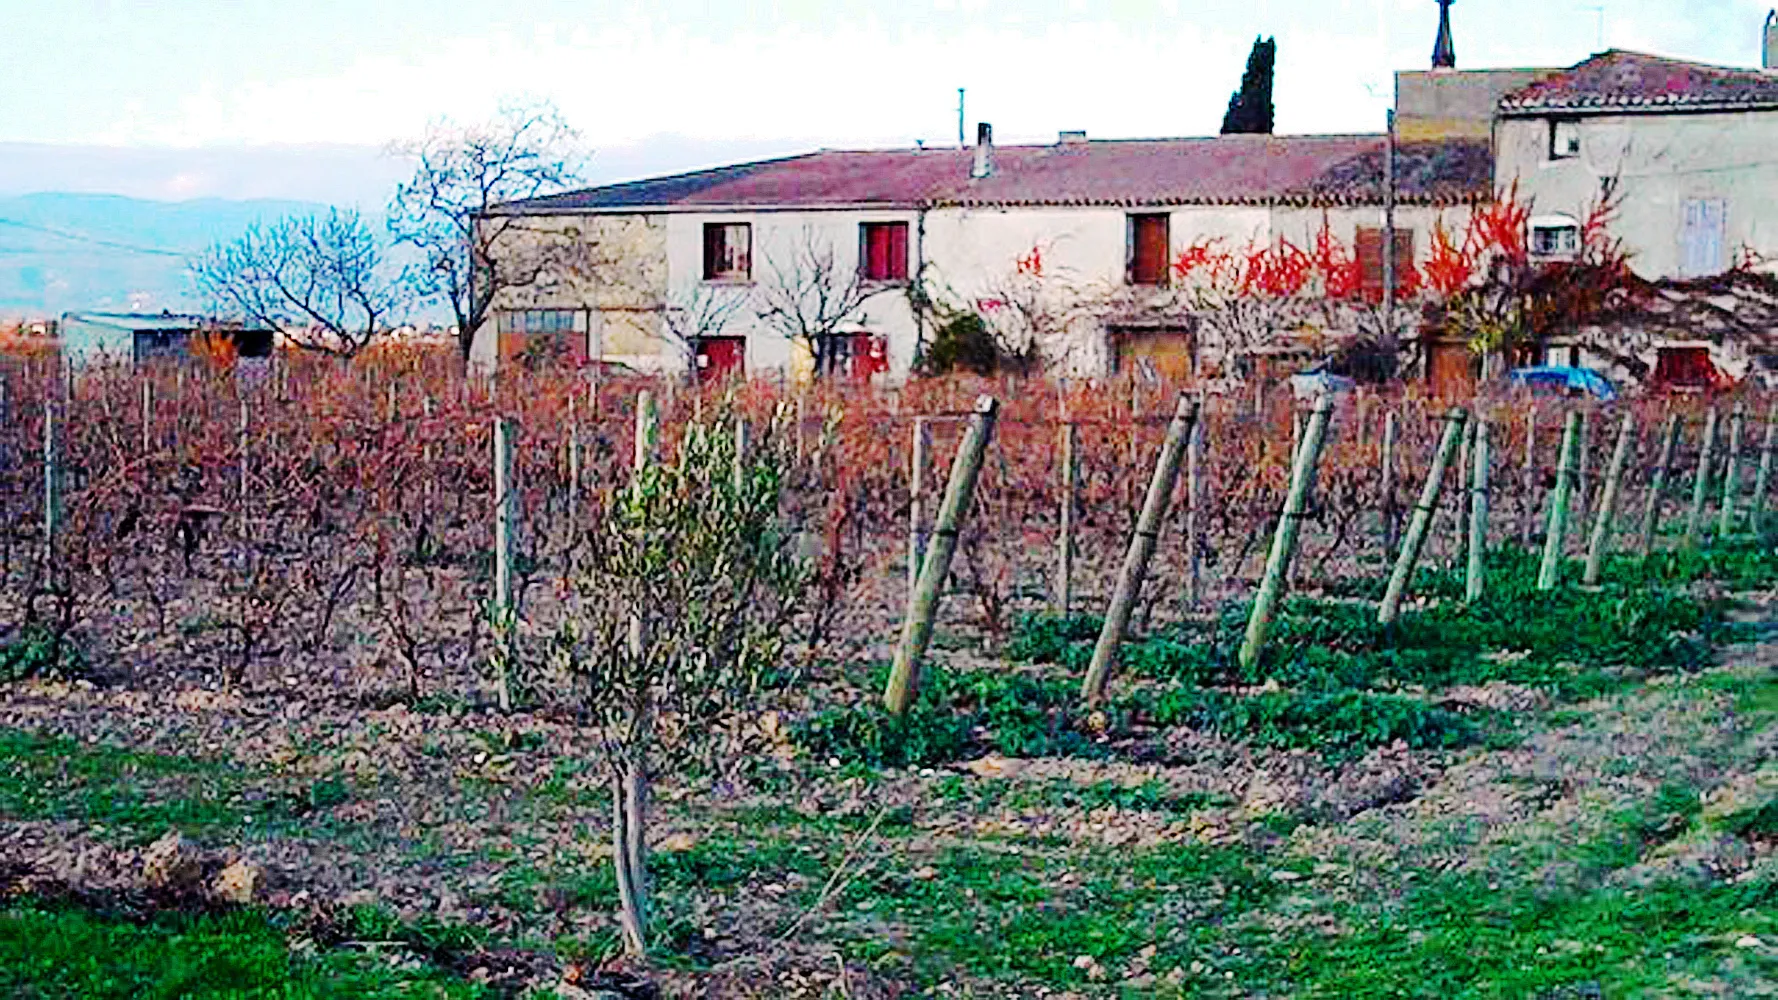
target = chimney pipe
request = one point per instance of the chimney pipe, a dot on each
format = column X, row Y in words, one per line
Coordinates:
column 1769, row 51
column 984, row 151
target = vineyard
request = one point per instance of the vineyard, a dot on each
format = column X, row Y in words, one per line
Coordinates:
column 323, row 578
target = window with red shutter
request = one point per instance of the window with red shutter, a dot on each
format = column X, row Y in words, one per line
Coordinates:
column 1150, row 242
column 883, row 251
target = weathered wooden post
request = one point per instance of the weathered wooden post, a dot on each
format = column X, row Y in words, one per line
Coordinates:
column 916, row 632
column 1302, row 480
column 1694, row 519
column 916, row 505
column 1065, row 543
column 1731, row 475
column 1606, row 510
column 246, row 528
column 1651, row 510
column 1528, row 523
column 1583, row 474
column 1142, row 545
column 52, row 482
column 1478, row 516
column 1391, row 516
column 1763, row 479
column 1550, row 571
column 648, row 431
column 1194, row 504
column 743, row 444
column 147, row 416
column 1403, row 573
column 506, row 513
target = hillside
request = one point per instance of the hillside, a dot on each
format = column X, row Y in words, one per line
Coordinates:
column 62, row 252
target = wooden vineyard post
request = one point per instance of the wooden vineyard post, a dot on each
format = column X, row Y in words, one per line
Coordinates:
column 52, row 483
column 426, row 454
column 1391, row 527
column 1065, row 543
column 1583, row 474
column 573, row 470
column 1550, row 571
column 1405, row 561
column 1194, row 504
column 743, row 444
column 1694, row 519
column 505, row 531
column 1606, row 509
column 916, row 631
column 246, row 531
column 1465, row 446
column 801, row 416
column 1528, row 523
column 648, row 429
column 1763, row 479
column 1651, row 510
column 1478, row 517
column 916, row 504
column 1142, row 545
column 1302, row 481
column 147, row 417
column 1731, row 475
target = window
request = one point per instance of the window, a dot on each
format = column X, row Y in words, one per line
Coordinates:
column 1150, row 247
column 728, row 251
column 883, row 251
column 1555, row 236
column 1370, row 260
column 1701, row 239
column 1564, row 139
column 538, row 321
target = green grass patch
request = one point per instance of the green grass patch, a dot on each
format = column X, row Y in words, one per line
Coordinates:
column 51, row 952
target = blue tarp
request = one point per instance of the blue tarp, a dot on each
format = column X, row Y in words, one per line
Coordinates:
column 1563, row 377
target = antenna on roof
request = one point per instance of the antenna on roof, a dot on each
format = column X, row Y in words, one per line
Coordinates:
column 962, row 135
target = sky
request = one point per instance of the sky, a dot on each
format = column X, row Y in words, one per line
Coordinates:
column 300, row 98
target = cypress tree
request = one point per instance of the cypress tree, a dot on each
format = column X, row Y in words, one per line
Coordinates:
column 1250, row 109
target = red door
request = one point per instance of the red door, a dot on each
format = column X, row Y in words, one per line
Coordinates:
column 720, row 357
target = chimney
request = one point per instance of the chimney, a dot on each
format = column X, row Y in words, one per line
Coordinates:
column 1444, row 50
column 984, row 151
column 1769, row 51
column 1072, row 137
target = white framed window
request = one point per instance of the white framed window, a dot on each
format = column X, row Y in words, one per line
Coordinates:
column 728, row 251
column 1564, row 139
column 539, row 321
column 1555, row 236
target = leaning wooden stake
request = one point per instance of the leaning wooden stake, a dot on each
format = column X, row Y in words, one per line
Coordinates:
column 1651, row 510
column 246, row 530
column 1302, row 481
column 1731, row 476
column 506, row 513
column 1478, row 516
column 1065, row 543
column 916, row 632
column 1694, row 519
column 1422, row 521
column 1605, row 512
column 1763, row 479
column 1142, row 545
column 1550, row 572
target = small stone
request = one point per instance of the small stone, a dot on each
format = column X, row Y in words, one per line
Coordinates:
column 235, row 884
column 1285, row 876
column 173, row 864
column 1749, row 941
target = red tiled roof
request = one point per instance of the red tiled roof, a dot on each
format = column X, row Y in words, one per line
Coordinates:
column 1616, row 82
column 1312, row 170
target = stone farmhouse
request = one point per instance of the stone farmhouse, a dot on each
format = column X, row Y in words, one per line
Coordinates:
column 749, row 266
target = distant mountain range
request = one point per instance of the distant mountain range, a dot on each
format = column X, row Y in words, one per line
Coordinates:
column 74, row 252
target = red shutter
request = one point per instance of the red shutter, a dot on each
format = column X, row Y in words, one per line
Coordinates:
column 1370, row 261
column 1150, row 264
column 898, row 251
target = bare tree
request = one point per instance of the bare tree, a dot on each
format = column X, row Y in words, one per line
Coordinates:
column 444, row 210
column 809, row 298
column 690, row 316
column 322, row 282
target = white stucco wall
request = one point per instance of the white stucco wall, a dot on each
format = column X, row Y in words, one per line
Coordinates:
column 1662, row 160
column 967, row 252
